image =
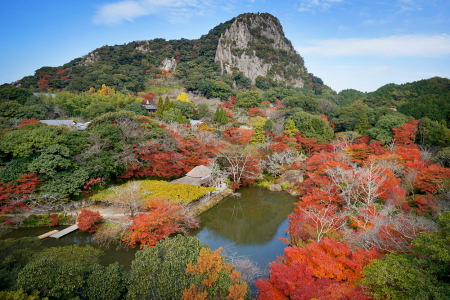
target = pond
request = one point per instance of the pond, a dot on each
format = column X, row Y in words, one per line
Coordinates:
column 246, row 226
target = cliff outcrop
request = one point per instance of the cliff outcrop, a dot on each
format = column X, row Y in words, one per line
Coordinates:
column 255, row 45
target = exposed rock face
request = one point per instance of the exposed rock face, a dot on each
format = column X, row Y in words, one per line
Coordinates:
column 169, row 65
column 91, row 58
column 255, row 45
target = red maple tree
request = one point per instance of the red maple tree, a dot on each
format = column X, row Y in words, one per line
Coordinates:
column 89, row 220
column 163, row 219
column 324, row 270
column 14, row 196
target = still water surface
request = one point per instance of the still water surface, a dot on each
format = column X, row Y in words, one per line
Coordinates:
column 249, row 225
column 246, row 226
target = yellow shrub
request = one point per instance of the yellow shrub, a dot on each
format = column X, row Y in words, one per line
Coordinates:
column 176, row 192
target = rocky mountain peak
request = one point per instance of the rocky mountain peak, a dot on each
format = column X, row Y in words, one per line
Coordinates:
column 255, row 45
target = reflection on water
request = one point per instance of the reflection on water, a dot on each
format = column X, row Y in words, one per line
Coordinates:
column 249, row 225
column 122, row 255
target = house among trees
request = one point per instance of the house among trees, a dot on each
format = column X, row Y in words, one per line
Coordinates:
column 195, row 122
column 149, row 105
column 200, row 175
column 68, row 123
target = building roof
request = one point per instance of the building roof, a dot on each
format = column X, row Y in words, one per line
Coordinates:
column 58, row 122
column 69, row 123
column 199, row 172
column 149, row 105
column 195, row 122
column 189, row 180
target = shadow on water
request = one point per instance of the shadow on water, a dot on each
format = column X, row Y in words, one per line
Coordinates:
column 248, row 226
column 122, row 255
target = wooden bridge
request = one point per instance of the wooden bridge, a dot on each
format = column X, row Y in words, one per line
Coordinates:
column 65, row 231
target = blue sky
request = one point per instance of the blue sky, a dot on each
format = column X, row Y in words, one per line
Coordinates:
column 358, row 44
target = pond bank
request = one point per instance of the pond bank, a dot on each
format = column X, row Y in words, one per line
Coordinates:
column 206, row 203
column 116, row 215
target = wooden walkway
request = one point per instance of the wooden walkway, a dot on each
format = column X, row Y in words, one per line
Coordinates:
column 64, row 231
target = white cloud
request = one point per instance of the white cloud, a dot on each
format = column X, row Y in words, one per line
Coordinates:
column 116, row 13
column 409, row 5
column 312, row 5
column 392, row 46
column 128, row 10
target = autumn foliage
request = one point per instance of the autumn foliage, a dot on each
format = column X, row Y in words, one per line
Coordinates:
column 89, row 220
column 365, row 193
column 240, row 136
column 170, row 158
column 164, row 218
column 216, row 278
column 14, row 196
column 324, row 270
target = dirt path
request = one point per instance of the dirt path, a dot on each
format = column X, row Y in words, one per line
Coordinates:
column 109, row 213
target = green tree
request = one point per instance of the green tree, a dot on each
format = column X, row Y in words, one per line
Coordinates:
column 220, row 116
column 15, row 168
column 348, row 117
column 289, row 128
column 174, row 115
column 347, row 97
column 52, row 160
column 10, row 92
column 160, row 107
column 10, row 109
column 362, row 125
column 59, row 272
column 160, row 272
column 248, row 99
column 259, row 136
column 106, row 283
column 423, row 274
column 312, row 126
column 262, row 83
column 433, row 248
column 64, row 184
column 433, row 133
column 186, row 108
column 383, row 128
column 203, row 111
column 97, row 109
column 401, row 277
column 29, row 139
column 268, row 126
column 15, row 253
column 137, row 108
column 20, row 295
column 222, row 90
column 167, row 104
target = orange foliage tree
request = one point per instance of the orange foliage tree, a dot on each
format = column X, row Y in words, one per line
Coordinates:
column 89, row 220
column 406, row 135
column 164, row 218
column 216, row 278
column 171, row 157
column 240, row 136
column 432, row 179
column 14, row 196
column 324, row 270
column 255, row 111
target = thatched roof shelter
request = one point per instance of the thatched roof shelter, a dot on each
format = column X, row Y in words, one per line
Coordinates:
column 200, row 175
column 199, row 172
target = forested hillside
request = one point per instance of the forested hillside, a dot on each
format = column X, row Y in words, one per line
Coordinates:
column 374, row 167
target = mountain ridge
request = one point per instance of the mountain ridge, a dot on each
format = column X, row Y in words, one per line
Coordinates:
column 242, row 51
